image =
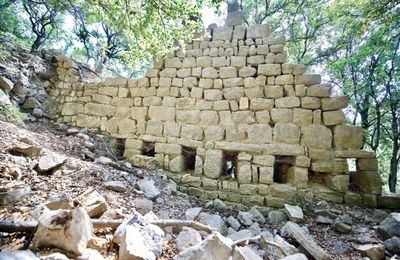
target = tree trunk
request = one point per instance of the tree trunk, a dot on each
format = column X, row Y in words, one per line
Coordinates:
column 394, row 166
column 36, row 44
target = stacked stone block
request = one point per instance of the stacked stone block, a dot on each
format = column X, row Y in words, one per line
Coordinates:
column 233, row 93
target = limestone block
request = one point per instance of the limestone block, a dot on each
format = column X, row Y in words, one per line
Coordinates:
column 335, row 117
column 196, row 72
column 189, row 62
column 164, row 82
column 190, row 82
column 243, row 117
column 102, row 99
column 184, row 73
column 209, row 118
column 203, row 62
column 227, row 72
column 222, row 33
column 168, row 72
column 310, row 102
column 273, row 91
column 132, row 143
column 368, row 182
column 111, row 126
column 122, row 102
column 244, row 103
column 338, row 183
column 249, row 82
column 233, row 93
column 317, row 116
column 354, row 153
column 214, row 133
column 203, row 105
column 258, row 31
column 139, row 113
column 147, row 92
column 307, row 79
column 213, row 164
column 243, row 51
column 281, row 115
column 218, row 84
column 173, row 63
column 262, row 49
column 269, row 69
column 334, row 166
column 154, row 128
column 288, row 90
column 319, row 90
column 254, row 92
column 206, row 83
column 88, row 121
column 280, row 190
column 316, row 136
column 193, row 132
column 287, row 102
column 257, row 104
column 177, row 164
column 209, row 73
column 233, row 105
column 239, row 32
column 247, row 72
column 109, row 91
column 264, row 160
column 221, row 105
column 161, row 113
column 99, row 109
column 287, row 149
column 334, row 103
column 196, row 93
column 244, row 172
column 168, row 148
column 213, row 94
column 126, row 126
column 70, row 109
column 302, row 117
column 302, row 161
column 280, row 58
column 286, row 133
column 218, row 62
column 367, row 164
column 235, row 133
column 297, row 176
column 284, row 80
column 266, row 175
column 188, row 116
column 255, row 60
column 300, row 90
column 238, row 61
column 348, row 137
column 172, row 129
column 259, row 133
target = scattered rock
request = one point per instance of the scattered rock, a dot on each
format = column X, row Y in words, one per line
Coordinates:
column 68, row 230
column 215, row 246
column 140, row 241
column 94, row 203
column 277, row 217
column 31, row 103
column 26, row 150
column 390, row 227
column 117, row 186
column 192, row 213
column 18, row 255
column 379, row 216
column 393, row 245
column 325, row 213
column 50, row 161
column 245, row 253
column 60, row 201
column 374, row 252
column 213, row 220
column 340, row 248
column 234, row 223
column 103, row 160
column 188, row 237
column 4, row 99
column 245, row 218
column 244, row 233
column 98, row 243
column 323, row 220
column 256, row 215
column 55, row 256
column 295, row 213
column 342, row 227
column 219, row 204
column 144, row 205
column 90, row 254
column 14, row 195
column 298, row 256
column 255, row 228
column 149, row 190
column 6, row 84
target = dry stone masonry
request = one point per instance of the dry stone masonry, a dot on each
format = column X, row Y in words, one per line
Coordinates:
column 228, row 118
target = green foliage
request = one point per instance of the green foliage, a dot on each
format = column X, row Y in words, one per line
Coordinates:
column 11, row 114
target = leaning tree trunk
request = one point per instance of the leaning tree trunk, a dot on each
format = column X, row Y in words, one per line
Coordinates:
column 37, row 43
column 394, row 166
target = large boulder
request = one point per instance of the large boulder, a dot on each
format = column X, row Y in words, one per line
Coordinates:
column 18, row 255
column 69, row 230
column 390, row 227
column 188, row 237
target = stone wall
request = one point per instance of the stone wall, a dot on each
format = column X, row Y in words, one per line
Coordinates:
column 230, row 99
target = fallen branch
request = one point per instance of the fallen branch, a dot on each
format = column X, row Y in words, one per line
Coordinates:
column 30, row 226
